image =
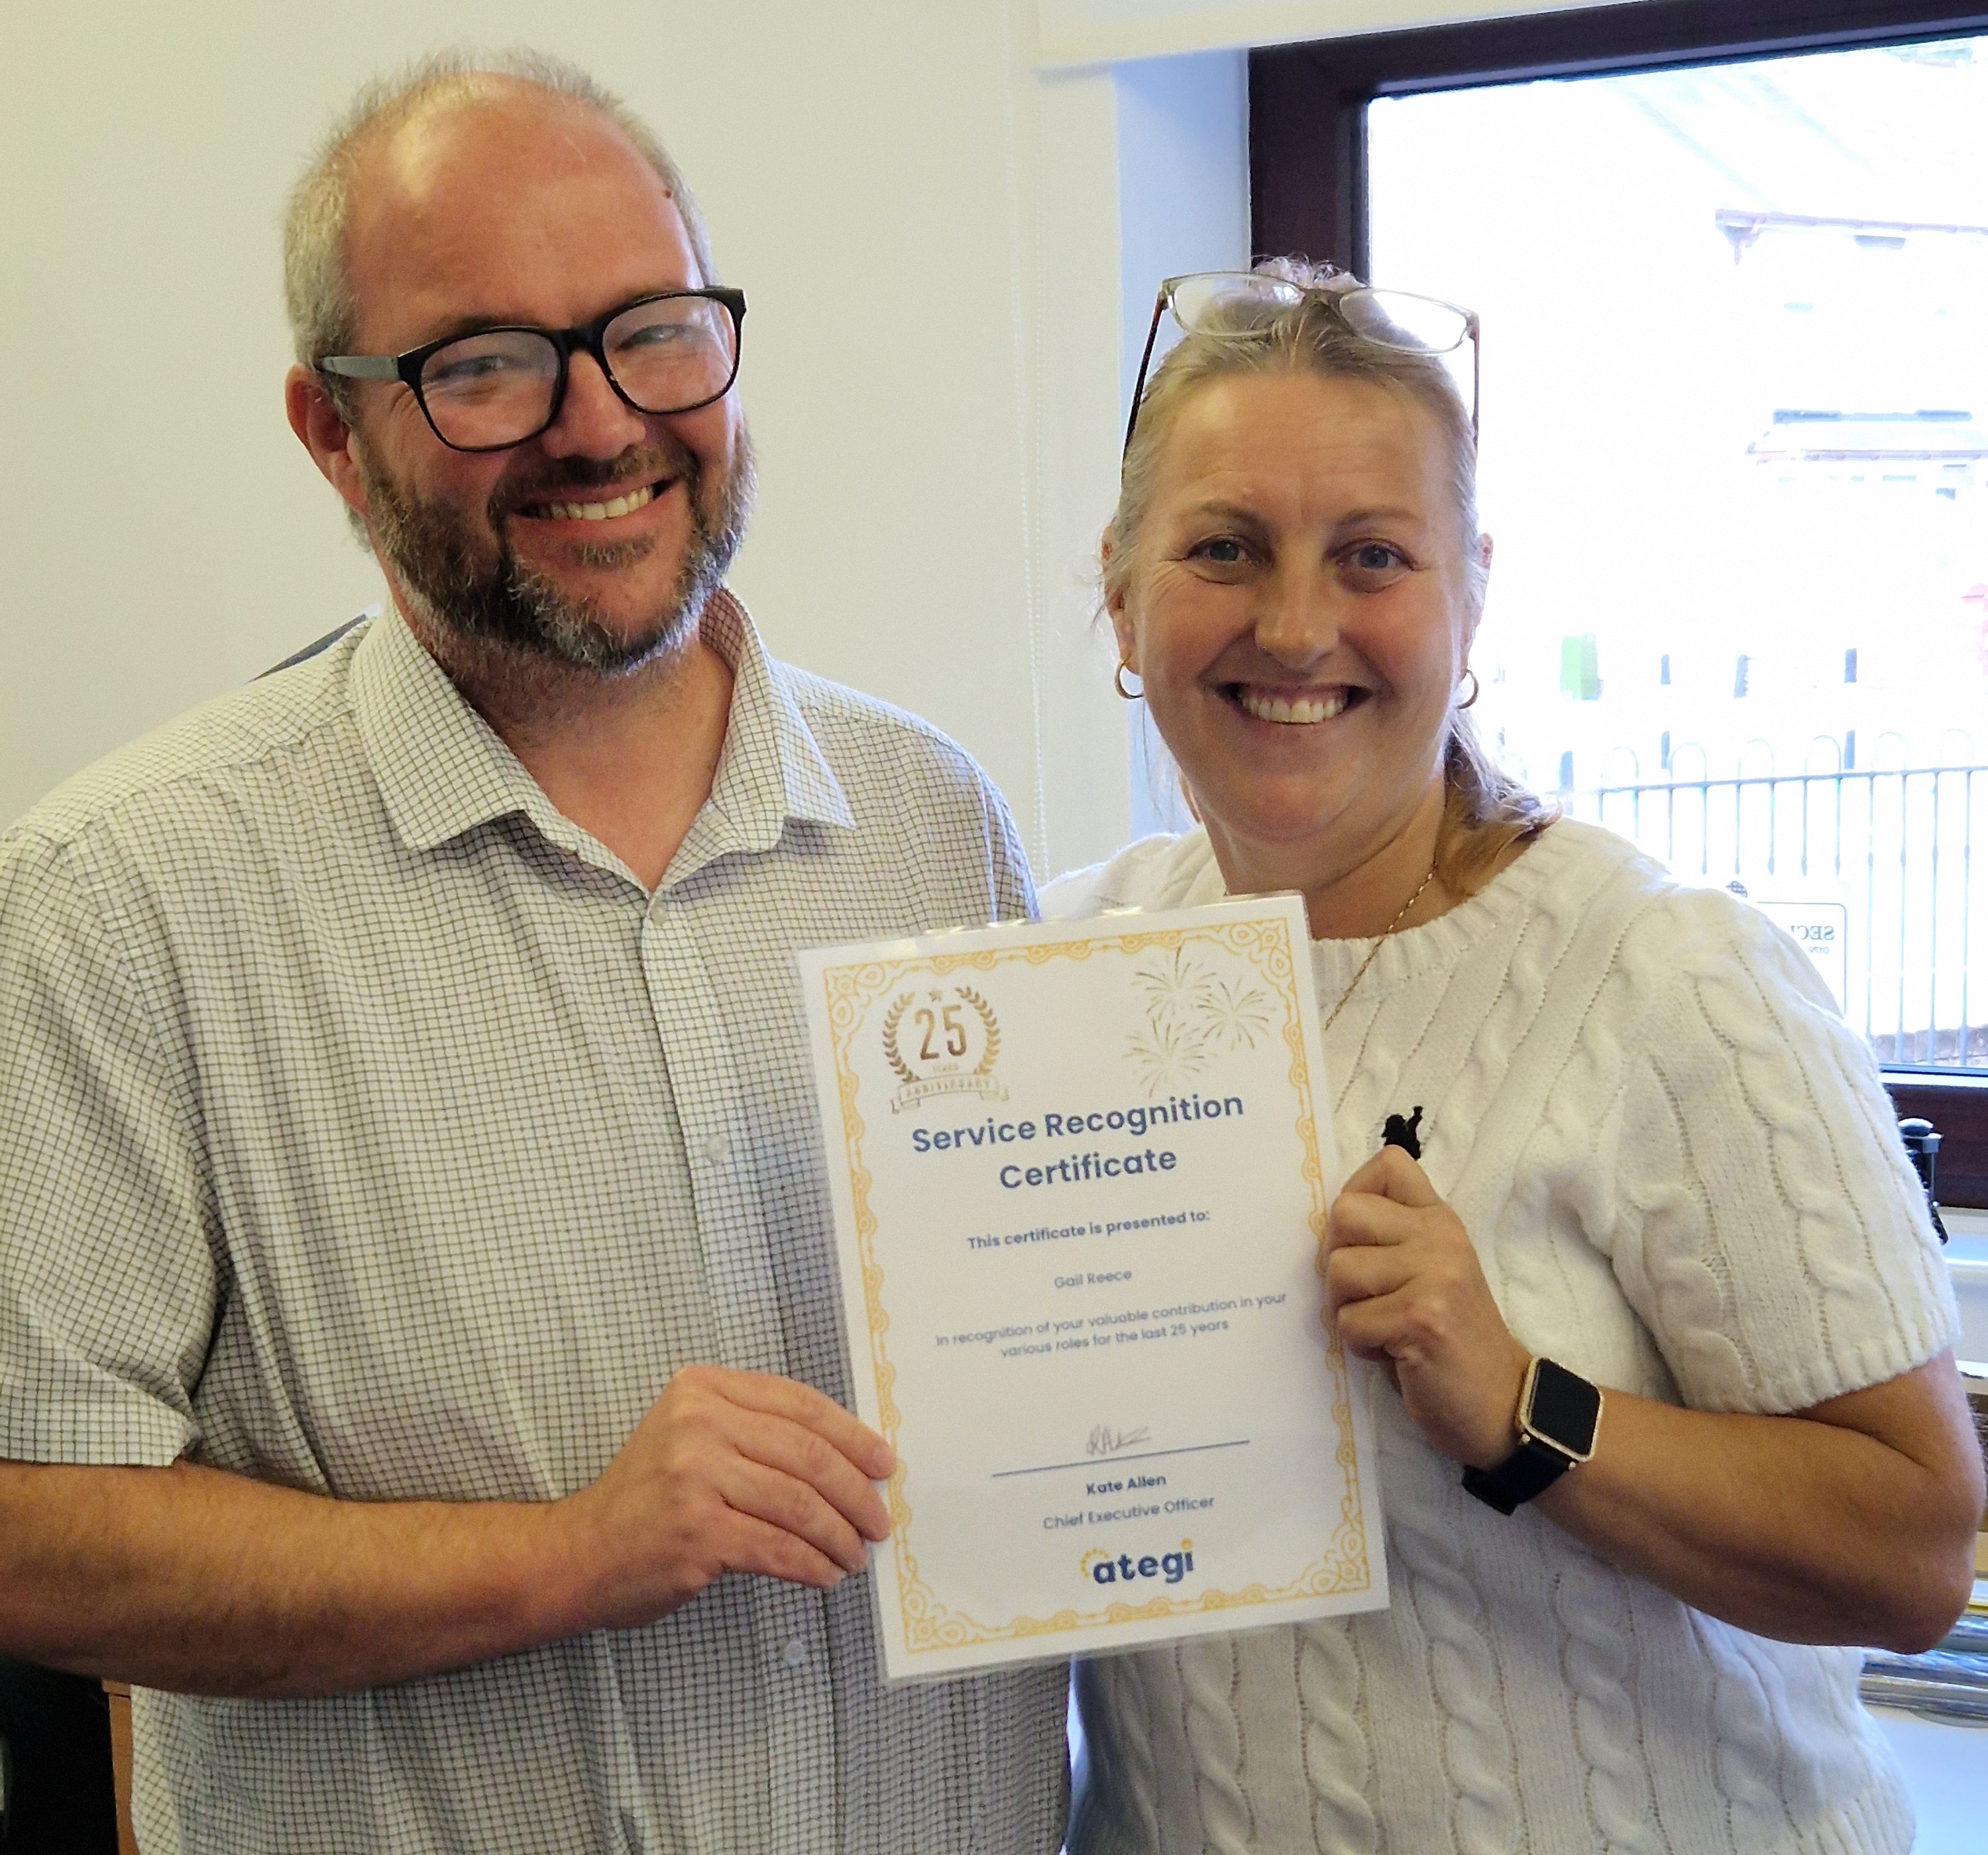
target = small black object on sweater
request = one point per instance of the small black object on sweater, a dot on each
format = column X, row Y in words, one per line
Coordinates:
column 1400, row 1131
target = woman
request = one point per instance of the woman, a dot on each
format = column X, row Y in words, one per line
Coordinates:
column 1649, row 1149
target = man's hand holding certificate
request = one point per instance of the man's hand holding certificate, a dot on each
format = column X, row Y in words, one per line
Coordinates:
column 1080, row 1174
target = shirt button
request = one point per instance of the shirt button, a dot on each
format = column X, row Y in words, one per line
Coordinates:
column 717, row 1149
column 795, row 1653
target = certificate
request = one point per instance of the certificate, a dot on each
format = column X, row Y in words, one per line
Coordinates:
column 1080, row 1170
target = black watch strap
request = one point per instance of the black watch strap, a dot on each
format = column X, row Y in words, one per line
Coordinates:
column 1530, row 1469
column 1559, row 1414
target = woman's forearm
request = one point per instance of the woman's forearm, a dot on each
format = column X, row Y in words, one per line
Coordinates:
column 1851, row 1522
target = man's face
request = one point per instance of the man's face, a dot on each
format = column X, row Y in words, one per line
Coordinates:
column 523, row 208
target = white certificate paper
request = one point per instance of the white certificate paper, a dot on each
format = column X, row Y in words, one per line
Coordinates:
column 1080, row 1170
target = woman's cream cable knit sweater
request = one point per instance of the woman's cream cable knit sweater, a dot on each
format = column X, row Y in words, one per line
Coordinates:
column 1683, row 1177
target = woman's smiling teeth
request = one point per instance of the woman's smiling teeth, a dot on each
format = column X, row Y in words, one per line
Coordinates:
column 1294, row 711
column 596, row 512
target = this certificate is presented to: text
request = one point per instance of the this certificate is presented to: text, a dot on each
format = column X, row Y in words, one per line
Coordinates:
column 1080, row 1172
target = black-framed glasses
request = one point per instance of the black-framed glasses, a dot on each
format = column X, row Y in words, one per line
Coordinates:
column 1236, row 303
column 493, row 388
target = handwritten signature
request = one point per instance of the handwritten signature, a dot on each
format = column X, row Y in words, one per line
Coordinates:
column 1105, row 1441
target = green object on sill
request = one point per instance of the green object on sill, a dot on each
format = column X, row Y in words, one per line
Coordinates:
column 1580, row 668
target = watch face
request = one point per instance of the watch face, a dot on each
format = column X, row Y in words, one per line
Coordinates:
column 1564, row 1408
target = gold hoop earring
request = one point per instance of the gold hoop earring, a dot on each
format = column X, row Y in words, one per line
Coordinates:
column 1118, row 683
column 1476, row 691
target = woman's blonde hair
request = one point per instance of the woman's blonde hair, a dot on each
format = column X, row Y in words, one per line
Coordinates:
column 1485, row 810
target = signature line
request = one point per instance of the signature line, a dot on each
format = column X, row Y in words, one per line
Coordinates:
column 1102, row 1462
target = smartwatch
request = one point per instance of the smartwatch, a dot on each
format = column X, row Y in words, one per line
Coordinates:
column 1559, row 1414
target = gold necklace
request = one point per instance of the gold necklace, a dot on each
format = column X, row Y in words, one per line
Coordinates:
column 1374, row 951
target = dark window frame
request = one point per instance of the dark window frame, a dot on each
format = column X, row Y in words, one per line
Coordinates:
column 1308, row 196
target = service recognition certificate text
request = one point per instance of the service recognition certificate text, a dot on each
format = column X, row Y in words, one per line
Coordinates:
column 1080, row 1170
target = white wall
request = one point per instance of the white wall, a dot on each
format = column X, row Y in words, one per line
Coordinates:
column 888, row 182
column 944, row 231
column 1183, row 156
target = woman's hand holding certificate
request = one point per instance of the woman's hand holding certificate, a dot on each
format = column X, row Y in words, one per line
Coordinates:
column 1408, row 1292
column 1080, row 1174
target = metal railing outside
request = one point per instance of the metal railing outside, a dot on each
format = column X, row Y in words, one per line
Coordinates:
column 1894, row 846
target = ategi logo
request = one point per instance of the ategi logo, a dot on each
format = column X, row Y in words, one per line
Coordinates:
column 1101, row 1567
column 942, row 1041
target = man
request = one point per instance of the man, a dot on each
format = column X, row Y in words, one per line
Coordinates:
column 419, row 1364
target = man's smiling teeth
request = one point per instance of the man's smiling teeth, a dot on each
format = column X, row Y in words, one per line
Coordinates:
column 600, row 512
column 1303, row 710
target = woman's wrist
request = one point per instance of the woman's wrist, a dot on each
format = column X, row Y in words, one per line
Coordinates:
column 1498, row 1434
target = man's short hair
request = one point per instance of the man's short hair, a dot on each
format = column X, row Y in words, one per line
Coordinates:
column 317, row 287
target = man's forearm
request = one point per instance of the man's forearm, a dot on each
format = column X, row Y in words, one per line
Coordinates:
column 188, row 1579
column 191, row 1580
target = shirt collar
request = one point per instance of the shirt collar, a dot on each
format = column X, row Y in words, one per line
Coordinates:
column 443, row 770
column 772, row 768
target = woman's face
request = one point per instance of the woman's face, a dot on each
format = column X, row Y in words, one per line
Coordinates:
column 1299, row 611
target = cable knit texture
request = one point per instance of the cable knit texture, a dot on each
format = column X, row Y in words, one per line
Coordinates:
column 1681, row 1173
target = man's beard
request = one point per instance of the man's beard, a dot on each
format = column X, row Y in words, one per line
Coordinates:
column 489, row 597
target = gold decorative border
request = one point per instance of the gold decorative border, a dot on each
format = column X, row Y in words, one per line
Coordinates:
column 930, row 1625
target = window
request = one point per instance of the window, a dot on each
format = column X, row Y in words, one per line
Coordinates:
column 1733, row 265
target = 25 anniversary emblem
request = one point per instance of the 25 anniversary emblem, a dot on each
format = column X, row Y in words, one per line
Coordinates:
column 943, row 1040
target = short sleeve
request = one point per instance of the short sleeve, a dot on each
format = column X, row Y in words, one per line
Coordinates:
column 108, row 1287
column 1775, row 1238
column 1014, row 894
column 1161, row 871
column 1075, row 896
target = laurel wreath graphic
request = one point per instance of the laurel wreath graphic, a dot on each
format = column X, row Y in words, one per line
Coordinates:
column 898, row 1007
column 992, row 1026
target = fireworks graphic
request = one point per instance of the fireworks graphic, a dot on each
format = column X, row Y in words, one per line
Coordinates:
column 1192, row 1017
column 1237, row 1013
column 1166, row 1054
column 1172, row 983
